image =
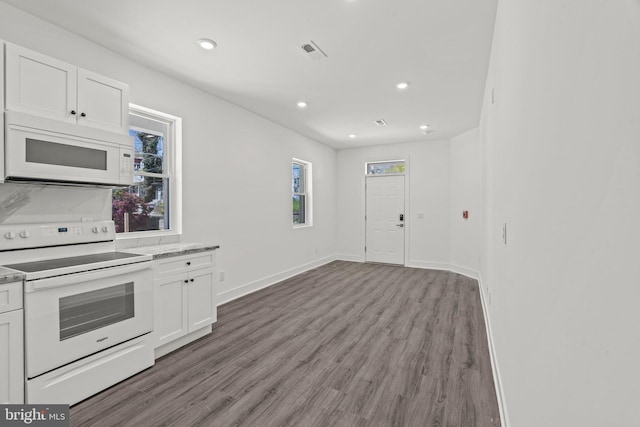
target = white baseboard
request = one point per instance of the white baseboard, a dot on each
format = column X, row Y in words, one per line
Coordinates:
column 349, row 257
column 502, row 407
column 420, row 264
column 464, row 271
column 265, row 282
column 428, row 265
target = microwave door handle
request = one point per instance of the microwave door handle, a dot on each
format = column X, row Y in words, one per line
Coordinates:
column 74, row 279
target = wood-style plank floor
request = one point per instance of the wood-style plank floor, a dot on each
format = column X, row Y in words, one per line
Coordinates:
column 345, row 344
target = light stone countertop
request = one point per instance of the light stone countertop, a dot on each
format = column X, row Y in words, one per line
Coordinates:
column 172, row 249
column 8, row 275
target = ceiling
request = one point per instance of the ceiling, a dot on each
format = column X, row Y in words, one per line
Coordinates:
column 440, row 47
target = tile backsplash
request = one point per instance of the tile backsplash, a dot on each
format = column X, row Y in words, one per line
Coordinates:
column 36, row 203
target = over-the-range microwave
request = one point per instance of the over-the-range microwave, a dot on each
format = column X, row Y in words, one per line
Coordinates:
column 38, row 149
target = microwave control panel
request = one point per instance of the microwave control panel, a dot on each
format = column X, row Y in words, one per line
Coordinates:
column 126, row 161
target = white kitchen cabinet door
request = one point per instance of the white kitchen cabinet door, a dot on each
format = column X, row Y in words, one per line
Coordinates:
column 201, row 299
column 11, row 358
column 171, row 309
column 185, row 299
column 102, row 102
column 39, row 85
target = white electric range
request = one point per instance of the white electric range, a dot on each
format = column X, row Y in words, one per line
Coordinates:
column 88, row 308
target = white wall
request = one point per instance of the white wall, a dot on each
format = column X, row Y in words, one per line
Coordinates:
column 561, row 155
column 466, row 196
column 428, row 239
column 236, row 182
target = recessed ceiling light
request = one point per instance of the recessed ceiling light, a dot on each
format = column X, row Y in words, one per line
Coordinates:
column 302, row 104
column 207, row 44
column 402, row 85
column 424, row 127
column 352, row 135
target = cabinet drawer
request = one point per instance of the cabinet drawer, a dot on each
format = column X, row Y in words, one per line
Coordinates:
column 184, row 263
column 10, row 296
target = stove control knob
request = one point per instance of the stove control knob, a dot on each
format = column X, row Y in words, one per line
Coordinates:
column 10, row 235
column 25, row 234
column 94, row 229
column 105, row 229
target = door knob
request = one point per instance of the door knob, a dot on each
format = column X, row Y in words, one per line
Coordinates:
column 400, row 225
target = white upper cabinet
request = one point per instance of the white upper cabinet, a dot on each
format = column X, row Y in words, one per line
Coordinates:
column 43, row 86
column 102, row 102
column 40, row 85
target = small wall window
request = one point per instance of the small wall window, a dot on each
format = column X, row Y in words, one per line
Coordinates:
column 301, row 192
column 385, row 167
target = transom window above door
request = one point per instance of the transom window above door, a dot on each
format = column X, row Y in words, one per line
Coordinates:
column 385, row 167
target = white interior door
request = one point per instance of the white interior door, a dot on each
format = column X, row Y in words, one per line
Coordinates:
column 385, row 219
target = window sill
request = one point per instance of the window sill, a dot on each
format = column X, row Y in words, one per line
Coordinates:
column 145, row 238
column 302, row 225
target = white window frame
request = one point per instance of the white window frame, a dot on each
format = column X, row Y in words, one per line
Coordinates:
column 308, row 199
column 172, row 164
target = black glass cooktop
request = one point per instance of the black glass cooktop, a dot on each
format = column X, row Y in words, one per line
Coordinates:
column 52, row 264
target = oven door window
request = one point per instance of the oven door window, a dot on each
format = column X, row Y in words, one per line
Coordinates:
column 88, row 311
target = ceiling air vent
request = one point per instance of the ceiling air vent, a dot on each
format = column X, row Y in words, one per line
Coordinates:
column 380, row 122
column 313, row 51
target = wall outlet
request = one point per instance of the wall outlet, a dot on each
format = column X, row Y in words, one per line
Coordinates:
column 420, row 215
column 221, row 276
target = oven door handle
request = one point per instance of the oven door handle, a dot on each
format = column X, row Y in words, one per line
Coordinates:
column 74, row 279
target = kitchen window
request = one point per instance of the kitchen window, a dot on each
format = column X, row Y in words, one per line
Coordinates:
column 152, row 204
column 301, row 192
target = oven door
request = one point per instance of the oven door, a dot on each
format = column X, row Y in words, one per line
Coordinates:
column 73, row 316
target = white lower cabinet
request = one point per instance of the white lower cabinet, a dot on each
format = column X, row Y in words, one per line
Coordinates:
column 184, row 299
column 201, row 300
column 11, row 344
